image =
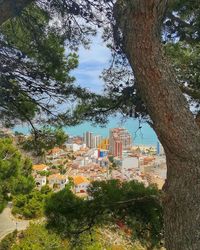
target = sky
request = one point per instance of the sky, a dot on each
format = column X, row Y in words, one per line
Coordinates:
column 91, row 63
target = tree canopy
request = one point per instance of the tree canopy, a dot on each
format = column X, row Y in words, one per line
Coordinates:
column 44, row 139
column 15, row 172
column 110, row 202
column 34, row 67
column 42, row 70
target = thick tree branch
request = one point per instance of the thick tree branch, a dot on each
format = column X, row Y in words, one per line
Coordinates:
column 178, row 20
column 140, row 22
column 195, row 94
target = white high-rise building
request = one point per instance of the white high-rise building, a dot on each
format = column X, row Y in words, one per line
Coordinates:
column 88, row 138
column 91, row 140
column 96, row 141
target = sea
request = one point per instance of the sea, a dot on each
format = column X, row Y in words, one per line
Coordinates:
column 143, row 136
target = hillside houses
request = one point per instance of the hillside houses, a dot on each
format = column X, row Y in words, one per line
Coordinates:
column 39, row 168
column 81, row 184
column 57, row 181
column 85, row 165
column 40, row 181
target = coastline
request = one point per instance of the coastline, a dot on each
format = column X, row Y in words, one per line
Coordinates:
column 143, row 137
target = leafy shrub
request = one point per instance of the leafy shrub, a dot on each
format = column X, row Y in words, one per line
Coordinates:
column 30, row 205
column 7, row 242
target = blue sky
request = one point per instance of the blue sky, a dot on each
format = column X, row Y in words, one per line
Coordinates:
column 91, row 63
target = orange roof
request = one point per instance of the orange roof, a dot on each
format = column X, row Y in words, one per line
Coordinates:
column 54, row 150
column 80, row 179
column 39, row 167
column 57, row 176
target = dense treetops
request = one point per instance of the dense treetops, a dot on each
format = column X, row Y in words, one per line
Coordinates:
column 15, row 172
column 42, row 140
column 35, row 76
column 110, row 202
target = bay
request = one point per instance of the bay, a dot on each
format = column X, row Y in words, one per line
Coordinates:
column 144, row 136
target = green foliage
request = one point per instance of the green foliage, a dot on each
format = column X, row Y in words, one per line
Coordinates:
column 40, row 68
column 2, row 200
column 43, row 44
column 10, row 159
column 26, row 167
column 111, row 159
column 60, row 137
column 70, row 183
column 30, row 205
column 62, row 169
column 104, row 238
column 22, row 185
column 37, row 237
column 186, row 61
column 44, row 173
column 129, row 203
column 182, row 36
column 7, row 242
column 184, row 20
column 14, row 172
column 45, row 139
column 46, row 190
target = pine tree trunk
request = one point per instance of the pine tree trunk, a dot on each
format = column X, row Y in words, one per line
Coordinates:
column 140, row 22
column 182, row 204
column 11, row 8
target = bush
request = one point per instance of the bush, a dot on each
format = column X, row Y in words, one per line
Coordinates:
column 39, row 238
column 2, row 205
column 8, row 241
column 132, row 205
column 46, row 189
column 29, row 206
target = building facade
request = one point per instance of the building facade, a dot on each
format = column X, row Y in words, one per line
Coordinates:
column 91, row 140
column 160, row 149
column 81, row 184
column 120, row 139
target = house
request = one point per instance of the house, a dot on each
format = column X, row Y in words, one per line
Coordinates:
column 57, row 181
column 55, row 153
column 39, row 167
column 74, row 146
column 40, row 181
column 82, row 161
column 81, row 184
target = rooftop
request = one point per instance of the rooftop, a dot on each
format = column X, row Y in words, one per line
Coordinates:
column 39, row 167
column 80, row 179
column 54, row 150
column 57, row 176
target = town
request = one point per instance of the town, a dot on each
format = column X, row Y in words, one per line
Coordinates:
column 89, row 158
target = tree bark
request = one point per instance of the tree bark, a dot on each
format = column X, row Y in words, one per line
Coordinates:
column 11, row 8
column 140, row 22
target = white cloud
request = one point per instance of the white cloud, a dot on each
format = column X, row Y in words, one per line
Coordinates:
column 91, row 63
column 97, row 53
